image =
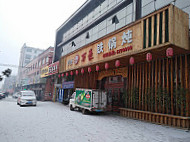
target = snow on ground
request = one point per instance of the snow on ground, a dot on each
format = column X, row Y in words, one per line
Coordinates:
column 54, row 122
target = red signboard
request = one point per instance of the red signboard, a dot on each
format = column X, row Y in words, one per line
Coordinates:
column 53, row 68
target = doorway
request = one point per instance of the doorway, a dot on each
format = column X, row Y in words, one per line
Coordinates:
column 114, row 87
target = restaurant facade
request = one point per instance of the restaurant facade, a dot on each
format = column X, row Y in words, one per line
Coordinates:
column 143, row 67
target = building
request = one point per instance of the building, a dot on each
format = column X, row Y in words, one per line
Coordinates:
column 31, row 76
column 136, row 50
column 26, row 55
column 9, row 84
column 51, row 74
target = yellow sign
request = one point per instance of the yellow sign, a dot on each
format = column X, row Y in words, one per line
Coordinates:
column 44, row 71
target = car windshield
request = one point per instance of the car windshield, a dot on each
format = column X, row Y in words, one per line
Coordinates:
column 28, row 94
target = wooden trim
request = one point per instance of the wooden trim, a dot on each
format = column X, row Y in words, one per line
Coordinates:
column 163, row 76
column 163, row 27
column 149, row 87
column 156, row 85
column 147, row 33
column 167, row 82
column 187, row 88
column 153, row 84
column 143, row 87
column 177, row 82
column 172, row 88
column 160, row 85
column 158, row 27
column 164, row 119
column 152, row 26
column 140, row 87
column 146, row 84
column 181, row 80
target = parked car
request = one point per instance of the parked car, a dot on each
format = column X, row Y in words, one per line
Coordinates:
column 26, row 97
column 2, row 95
column 15, row 95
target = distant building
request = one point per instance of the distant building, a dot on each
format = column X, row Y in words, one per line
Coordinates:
column 9, row 84
column 26, row 55
column 31, row 75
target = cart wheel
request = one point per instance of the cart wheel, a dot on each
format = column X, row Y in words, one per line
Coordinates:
column 83, row 111
column 71, row 108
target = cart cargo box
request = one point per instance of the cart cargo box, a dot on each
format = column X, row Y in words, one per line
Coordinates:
column 88, row 100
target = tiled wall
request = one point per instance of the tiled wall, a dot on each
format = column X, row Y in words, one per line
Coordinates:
column 125, row 16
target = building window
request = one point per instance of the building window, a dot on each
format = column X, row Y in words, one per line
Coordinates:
column 29, row 50
column 39, row 64
column 28, row 56
column 47, row 59
column 73, row 44
column 115, row 20
column 43, row 61
column 87, row 35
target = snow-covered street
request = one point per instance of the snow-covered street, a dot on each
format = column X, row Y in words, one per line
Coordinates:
column 54, row 122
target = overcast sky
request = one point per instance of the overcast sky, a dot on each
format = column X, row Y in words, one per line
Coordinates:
column 33, row 22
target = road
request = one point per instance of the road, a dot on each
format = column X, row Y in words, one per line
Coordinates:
column 54, row 122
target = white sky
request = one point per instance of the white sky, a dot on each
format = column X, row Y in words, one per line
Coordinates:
column 33, row 22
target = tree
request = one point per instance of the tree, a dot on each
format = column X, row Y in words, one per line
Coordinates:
column 6, row 73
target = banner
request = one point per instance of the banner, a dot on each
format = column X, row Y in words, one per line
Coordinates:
column 83, row 97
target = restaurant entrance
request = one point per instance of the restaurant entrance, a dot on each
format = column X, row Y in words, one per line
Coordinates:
column 114, row 87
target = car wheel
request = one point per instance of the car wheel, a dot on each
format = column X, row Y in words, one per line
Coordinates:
column 71, row 108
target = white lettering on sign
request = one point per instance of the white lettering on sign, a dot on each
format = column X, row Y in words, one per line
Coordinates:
column 70, row 62
column 112, row 43
column 127, row 37
column 52, row 69
column 100, row 48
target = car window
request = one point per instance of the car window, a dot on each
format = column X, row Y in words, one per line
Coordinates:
column 28, row 94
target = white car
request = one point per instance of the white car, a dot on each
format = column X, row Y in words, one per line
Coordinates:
column 27, row 97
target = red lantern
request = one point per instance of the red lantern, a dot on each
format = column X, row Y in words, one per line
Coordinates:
column 71, row 73
column 67, row 74
column 59, row 75
column 149, row 57
column 62, row 74
column 89, row 69
column 132, row 60
column 117, row 63
column 106, row 66
column 169, row 52
column 97, row 68
column 82, row 71
column 76, row 72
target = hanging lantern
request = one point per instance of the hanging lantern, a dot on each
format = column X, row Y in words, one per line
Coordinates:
column 82, row 71
column 132, row 60
column 97, row 68
column 59, row 75
column 89, row 69
column 67, row 74
column 149, row 57
column 62, row 74
column 169, row 52
column 106, row 66
column 71, row 73
column 76, row 72
column 117, row 63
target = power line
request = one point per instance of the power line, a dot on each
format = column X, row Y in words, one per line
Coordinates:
column 10, row 65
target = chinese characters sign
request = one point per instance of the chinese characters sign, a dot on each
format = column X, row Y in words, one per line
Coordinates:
column 121, row 44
